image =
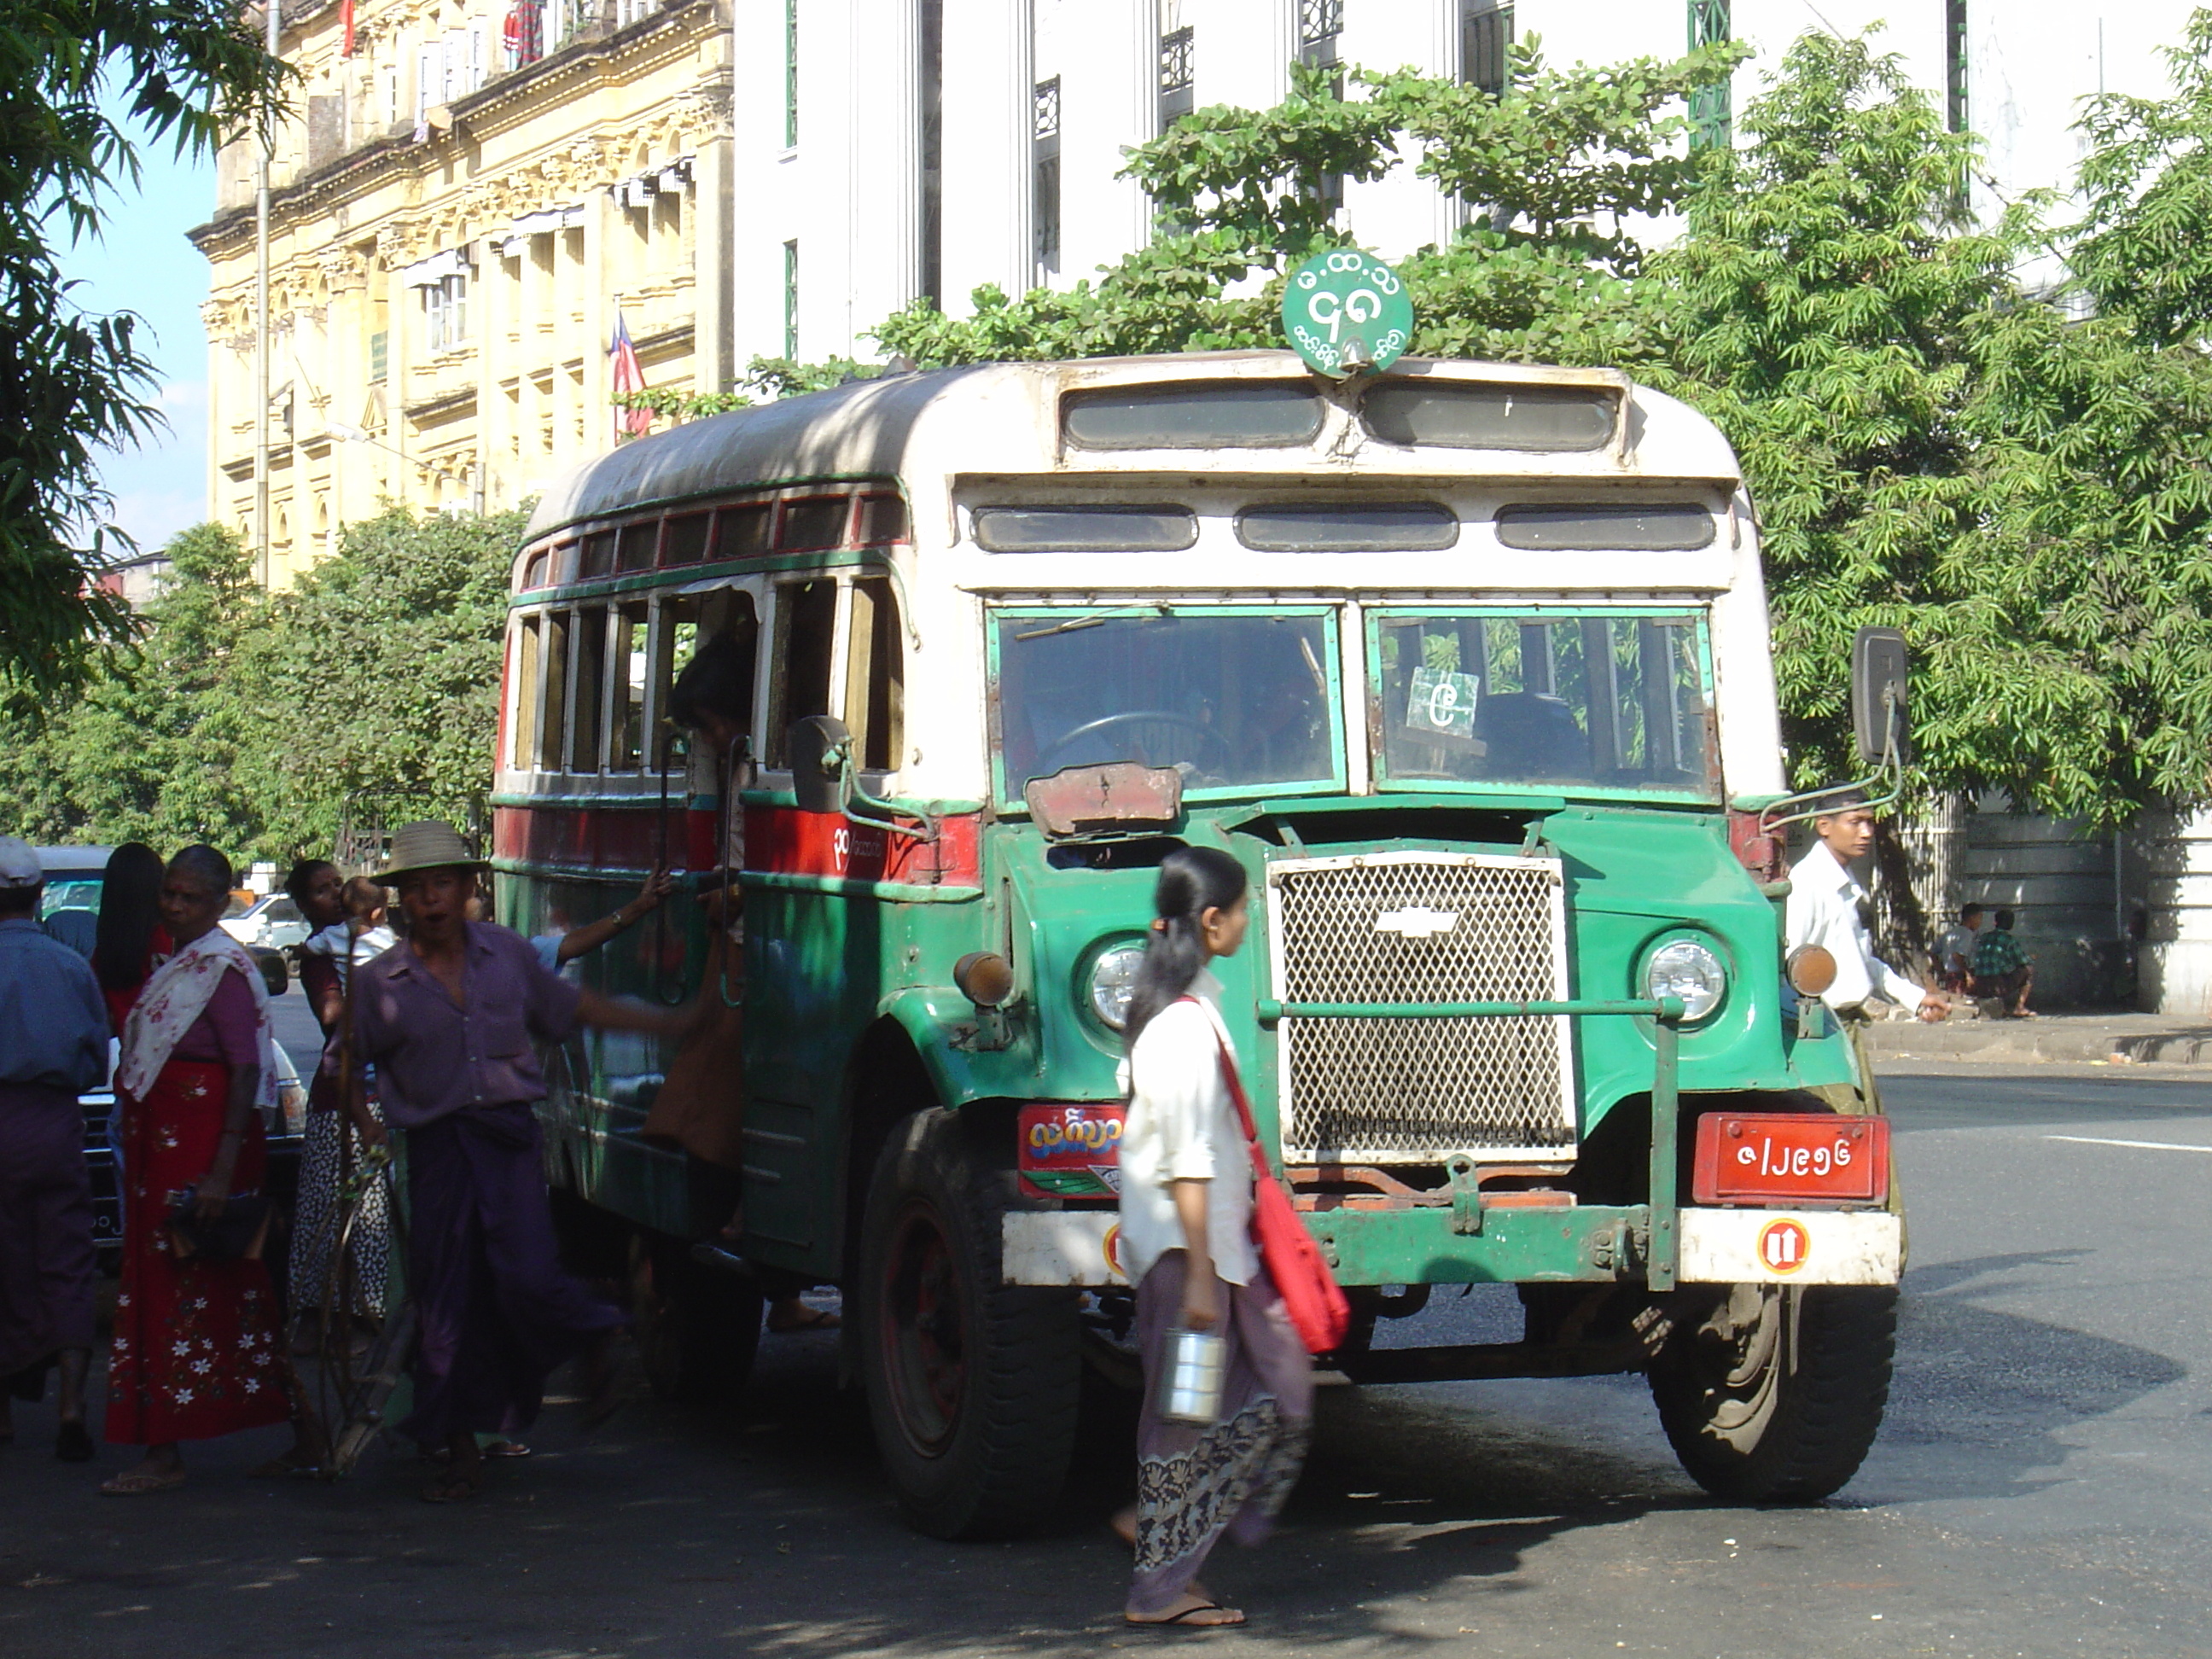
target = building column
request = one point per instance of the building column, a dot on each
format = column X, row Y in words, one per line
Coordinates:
column 712, row 230
column 989, row 86
column 882, row 241
column 1108, row 97
column 599, row 326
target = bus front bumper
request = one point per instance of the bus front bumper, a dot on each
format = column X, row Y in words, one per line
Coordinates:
column 1587, row 1243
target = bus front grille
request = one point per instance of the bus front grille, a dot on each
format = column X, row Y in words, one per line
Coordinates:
column 1422, row 927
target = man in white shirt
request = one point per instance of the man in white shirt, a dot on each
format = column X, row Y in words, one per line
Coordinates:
column 1828, row 908
column 1955, row 950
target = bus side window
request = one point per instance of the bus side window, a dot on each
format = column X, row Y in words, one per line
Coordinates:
column 806, row 633
column 553, row 720
column 689, row 621
column 875, row 677
column 591, row 688
column 626, row 742
column 522, row 717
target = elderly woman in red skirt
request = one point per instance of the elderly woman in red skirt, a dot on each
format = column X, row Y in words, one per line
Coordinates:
column 196, row 1353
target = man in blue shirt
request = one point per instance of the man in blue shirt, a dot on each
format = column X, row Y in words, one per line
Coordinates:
column 54, row 1048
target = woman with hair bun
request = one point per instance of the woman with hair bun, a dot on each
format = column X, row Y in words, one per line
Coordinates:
column 1186, row 1245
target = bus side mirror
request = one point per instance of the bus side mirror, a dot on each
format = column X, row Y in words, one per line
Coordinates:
column 1880, row 674
column 821, row 750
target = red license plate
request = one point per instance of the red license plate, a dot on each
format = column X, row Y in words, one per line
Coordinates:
column 1800, row 1157
column 1070, row 1151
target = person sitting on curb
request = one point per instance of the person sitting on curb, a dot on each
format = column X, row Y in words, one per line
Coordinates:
column 1954, row 949
column 2002, row 969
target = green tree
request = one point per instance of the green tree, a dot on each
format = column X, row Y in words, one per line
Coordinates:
column 1931, row 447
column 376, row 685
column 1557, row 164
column 72, row 384
column 147, row 749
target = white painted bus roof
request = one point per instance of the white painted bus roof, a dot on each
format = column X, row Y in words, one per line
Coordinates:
column 1001, row 419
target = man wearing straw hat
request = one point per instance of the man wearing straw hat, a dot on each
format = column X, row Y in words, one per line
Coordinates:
column 447, row 1018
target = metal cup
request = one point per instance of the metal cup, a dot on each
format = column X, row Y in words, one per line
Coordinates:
column 1196, row 1364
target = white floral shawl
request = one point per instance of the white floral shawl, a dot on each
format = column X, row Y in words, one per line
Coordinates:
column 179, row 995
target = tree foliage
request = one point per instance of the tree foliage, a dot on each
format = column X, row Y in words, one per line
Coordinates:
column 1931, row 447
column 258, row 724
column 72, row 384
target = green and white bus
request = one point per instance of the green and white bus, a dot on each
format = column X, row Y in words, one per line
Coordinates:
column 1468, row 663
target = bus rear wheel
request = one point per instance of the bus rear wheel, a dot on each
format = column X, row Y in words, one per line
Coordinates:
column 1777, row 1395
column 973, row 1386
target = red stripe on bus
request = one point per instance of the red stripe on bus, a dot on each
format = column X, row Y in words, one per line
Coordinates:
column 779, row 839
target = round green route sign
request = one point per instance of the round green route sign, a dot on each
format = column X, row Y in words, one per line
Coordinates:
column 1345, row 310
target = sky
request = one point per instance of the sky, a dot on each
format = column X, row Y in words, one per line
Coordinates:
column 144, row 264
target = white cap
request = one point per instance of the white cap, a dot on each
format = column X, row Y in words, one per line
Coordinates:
column 19, row 863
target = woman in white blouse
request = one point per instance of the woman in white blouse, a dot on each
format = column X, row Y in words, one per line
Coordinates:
column 1185, row 1244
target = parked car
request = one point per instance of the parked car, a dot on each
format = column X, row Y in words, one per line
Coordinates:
column 69, row 908
column 273, row 930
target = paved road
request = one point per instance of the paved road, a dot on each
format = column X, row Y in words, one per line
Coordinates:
column 2044, row 1486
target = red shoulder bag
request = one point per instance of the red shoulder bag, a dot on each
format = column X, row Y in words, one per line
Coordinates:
column 1312, row 1296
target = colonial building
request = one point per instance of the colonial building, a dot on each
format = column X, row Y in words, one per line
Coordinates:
column 470, row 196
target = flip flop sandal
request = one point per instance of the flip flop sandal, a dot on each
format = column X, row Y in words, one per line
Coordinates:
column 284, row 1466
column 451, row 1489
column 506, row 1449
column 817, row 1319
column 73, row 1443
column 138, row 1486
column 1183, row 1619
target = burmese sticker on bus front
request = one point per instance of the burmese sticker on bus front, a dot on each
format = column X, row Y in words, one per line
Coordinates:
column 1345, row 310
column 1441, row 702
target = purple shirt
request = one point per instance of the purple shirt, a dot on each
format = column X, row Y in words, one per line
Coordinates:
column 434, row 1059
column 225, row 1032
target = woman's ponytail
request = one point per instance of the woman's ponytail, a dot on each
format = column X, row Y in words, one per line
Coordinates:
column 1193, row 880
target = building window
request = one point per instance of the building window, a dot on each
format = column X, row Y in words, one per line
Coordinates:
column 1955, row 111
column 1711, row 110
column 1177, row 77
column 791, row 301
column 379, row 354
column 790, row 74
column 1486, row 45
column 445, row 310
column 1320, row 21
column 1045, row 153
column 931, row 99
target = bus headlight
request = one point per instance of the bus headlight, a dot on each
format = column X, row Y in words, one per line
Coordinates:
column 1685, row 968
column 1112, row 981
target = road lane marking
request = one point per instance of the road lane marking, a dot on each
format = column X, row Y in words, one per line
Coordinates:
column 2146, row 1146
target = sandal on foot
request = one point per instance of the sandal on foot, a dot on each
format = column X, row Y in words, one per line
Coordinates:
column 454, row 1488
column 506, row 1449
column 136, row 1483
column 285, row 1465
column 810, row 1319
column 1184, row 1617
column 73, row 1443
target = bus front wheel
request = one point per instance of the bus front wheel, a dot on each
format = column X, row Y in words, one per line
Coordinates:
column 973, row 1386
column 1777, row 1395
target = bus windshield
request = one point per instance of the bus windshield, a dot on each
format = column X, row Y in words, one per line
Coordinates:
column 1230, row 696
column 1614, row 700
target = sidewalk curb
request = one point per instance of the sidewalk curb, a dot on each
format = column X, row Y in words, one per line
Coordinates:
column 2059, row 1039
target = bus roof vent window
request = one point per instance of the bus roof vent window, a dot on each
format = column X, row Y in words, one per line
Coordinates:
column 1655, row 527
column 1416, row 526
column 817, row 521
column 882, row 519
column 1086, row 529
column 598, row 555
column 686, row 540
column 533, row 574
column 1538, row 418
column 638, row 541
column 1216, row 416
column 741, row 532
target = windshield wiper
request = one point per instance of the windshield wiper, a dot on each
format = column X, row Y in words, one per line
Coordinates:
column 1095, row 619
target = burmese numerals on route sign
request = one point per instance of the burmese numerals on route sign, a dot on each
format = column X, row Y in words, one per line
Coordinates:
column 1344, row 297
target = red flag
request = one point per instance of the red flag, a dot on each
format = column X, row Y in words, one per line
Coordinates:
column 345, row 21
column 630, row 376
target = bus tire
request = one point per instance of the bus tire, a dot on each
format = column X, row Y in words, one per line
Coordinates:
column 973, row 1386
column 1778, row 1397
column 697, row 1327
